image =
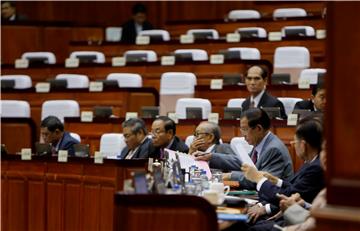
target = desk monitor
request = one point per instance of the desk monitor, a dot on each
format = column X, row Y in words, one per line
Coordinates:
column 229, row 55
column 149, row 112
column 136, row 57
column 232, row 113
column 37, row 60
column 232, row 79
column 184, row 57
column 156, row 38
column 273, row 112
column 109, row 83
column 249, row 34
column 203, row 35
column 82, row 150
column 7, row 84
column 42, row 149
column 87, row 58
column 140, row 183
column 58, row 84
column 298, row 32
column 102, row 111
column 302, row 113
column 280, row 78
column 193, row 113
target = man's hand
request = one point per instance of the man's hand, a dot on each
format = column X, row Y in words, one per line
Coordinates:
column 195, row 145
column 226, row 176
column 255, row 212
column 271, row 178
column 199, row 155
column 286, row 202
column 251, row 173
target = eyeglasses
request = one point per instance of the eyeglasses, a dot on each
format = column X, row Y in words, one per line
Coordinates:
column 157, row 132
column 294, row 142
column 255, row 78
column 197, row 134
column 127, row 136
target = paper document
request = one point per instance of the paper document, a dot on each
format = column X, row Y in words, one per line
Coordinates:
column 243, row 155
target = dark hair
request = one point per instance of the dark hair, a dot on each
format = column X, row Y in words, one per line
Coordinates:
column 264, row 71
column 52, row 123
column 310, row 129
column 215, row 130
column 136, row 125
column 317, row 87
column 169, row 123
column 11, row 3
column 139, row 8
column 257, row 116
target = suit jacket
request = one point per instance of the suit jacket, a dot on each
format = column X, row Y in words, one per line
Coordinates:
column 274, row 158
column 67, row 143
column 141, row 153
column 177, row 145
column 222, row 149
column 305, row 105
column 266, row 100
column 129, row 31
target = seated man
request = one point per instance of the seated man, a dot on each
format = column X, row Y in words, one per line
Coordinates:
column 163, row 131
column 137, row 142
column 269, row 153
column 52, row 132
column 317, row 101
column 256, row 80
column 207, row 139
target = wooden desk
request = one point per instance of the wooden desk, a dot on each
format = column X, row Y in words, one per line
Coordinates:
column 43, row 194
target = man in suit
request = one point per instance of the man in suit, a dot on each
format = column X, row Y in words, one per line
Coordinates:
column 317, row 101
column 269, row 153
column 207, row 139
column 52, row 131
column 256, row 80
column 9, row 14
column 138, row 23
column 137, row 142
column 163, row 131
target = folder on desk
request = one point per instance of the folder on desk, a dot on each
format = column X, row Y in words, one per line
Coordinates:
column 232, row 217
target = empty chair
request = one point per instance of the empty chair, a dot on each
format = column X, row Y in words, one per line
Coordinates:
column 240, row 145
column 75, row 136
column 289, row 12
column 89, row 56
column 289, row 103
column 21, row 81
column 111, row 145
column 297, row 31
column 157, row 35
column 74, row 80
column 203, row 33
column 60, row 109
column 243, row 14
column 184, row 103
column 113, row 34
column 175, row 85
column 252, row 32
column 312, row 75
column 291, row 60
column 236, row 102
column 45, row 57
column 140, row 55
column 247, row 53
column 14, row 109
column 196, row 54
column 126, row 79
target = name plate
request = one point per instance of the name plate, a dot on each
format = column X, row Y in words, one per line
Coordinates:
column 216, row 84
column 21, row 63
column 72, row 62
column 142, row 40
column 26, row 154
column 217, row 59
column 173, row 116
column 320, row 34
column 42, row 87
column 186, row 39
column 87, row 116
column 130, row 115
column 96, row 86
column 304, row 84
column 214, row 117
column 292, row 119
column 118, row 61
column 274, row 36
column 63, row 156
column 168, row 60
column 98, row 158
column 150, row 164
column 233, row 37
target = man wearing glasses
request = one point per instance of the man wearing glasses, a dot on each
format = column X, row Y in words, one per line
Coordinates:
column 163, row 131
column 256, row 80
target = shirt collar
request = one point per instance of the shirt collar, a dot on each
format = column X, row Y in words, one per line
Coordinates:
column 257, row 98
column 210, row 149
column 171, row 142
column 260, row 146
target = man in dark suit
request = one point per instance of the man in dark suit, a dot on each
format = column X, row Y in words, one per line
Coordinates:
column 256, row 80
column 317, row 101
column 163, row 131
column 138, row 23
column 9, row 14
column 137, row 142
column 52, row 131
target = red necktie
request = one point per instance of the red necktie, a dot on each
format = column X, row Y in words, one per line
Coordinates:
column 254, row 156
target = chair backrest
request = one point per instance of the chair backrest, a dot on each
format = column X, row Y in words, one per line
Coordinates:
column 60, row 109
column 126, row 79
column 252, row 32
column 96, row 56
column 111, row 144
column 311, row 74
column 21, row 81
column 303, row 31
column 203, row 33
column 48, row 57
column 289, row 103
column 74, row 80
column 14, row 109
column 75, row 136
column 236, row 102
column 164, row 34
column 149, row 55
column 243, row 14
column 240, row 145
column 247, row 53
column 289, row 12
column 197, row 54
column 183, row 103
column 113, row 34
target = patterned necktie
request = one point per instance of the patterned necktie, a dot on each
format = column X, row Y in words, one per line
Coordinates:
column 252, row 104
column 254, row 156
